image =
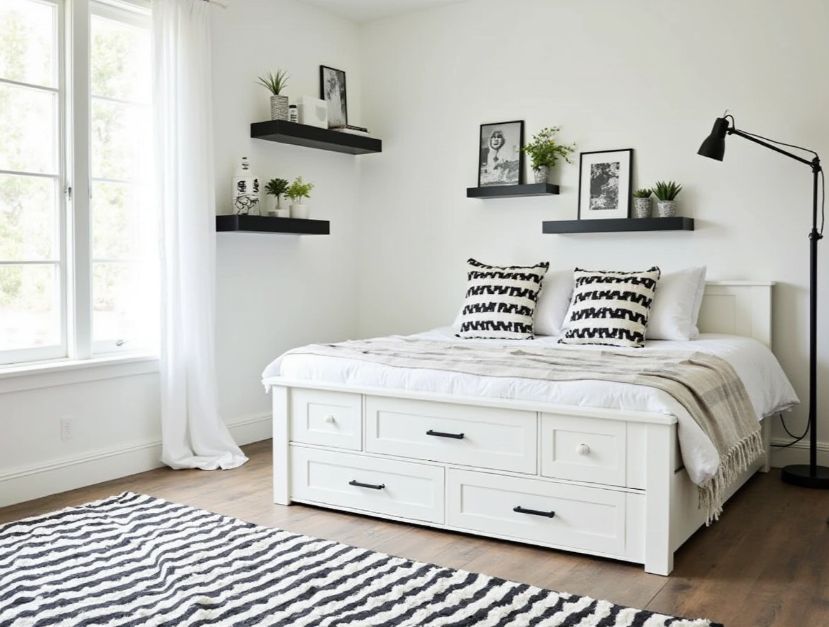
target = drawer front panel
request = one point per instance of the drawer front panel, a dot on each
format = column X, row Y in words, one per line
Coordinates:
column 582, row 518
column 584, row 449
column 380, row 486
column 326, row 418
column 483, row 437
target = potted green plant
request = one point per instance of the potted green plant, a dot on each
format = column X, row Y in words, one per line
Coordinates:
column 642, row 203
column 544, row 152
column 666, row 193
column 276, row 188
column 276, row 83
column 298, row 191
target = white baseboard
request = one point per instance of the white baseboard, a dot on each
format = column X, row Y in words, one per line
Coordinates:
column 91, row 468
column 797, row 453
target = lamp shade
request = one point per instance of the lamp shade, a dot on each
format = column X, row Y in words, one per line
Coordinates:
column 714, row 145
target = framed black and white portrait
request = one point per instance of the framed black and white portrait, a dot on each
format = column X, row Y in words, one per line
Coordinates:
column 501, row 154
column 332, row 90
column 604, row 184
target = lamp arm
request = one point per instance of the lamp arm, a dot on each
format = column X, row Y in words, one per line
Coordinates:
column 813, row 163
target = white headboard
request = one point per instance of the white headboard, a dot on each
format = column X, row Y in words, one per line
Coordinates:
column 737, row 308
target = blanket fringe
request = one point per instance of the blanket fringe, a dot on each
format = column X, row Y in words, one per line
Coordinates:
column 734, row 462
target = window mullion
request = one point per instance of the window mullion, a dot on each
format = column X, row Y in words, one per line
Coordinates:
column 79, row 239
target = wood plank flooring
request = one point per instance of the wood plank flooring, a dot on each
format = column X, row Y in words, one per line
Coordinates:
column 764, row 564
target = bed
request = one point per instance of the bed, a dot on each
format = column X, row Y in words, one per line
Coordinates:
column 600, row 468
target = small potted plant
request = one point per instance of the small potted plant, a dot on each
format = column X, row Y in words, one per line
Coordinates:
column 298, row 191
column 642, row 203
column 276, row 83
column 276, row 188
column 544, row 152
column 666, row 193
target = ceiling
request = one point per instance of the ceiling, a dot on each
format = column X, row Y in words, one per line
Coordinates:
column 367, row 10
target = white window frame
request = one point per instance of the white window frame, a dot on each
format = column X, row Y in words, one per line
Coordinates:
column 74, row 241
column 61, row 350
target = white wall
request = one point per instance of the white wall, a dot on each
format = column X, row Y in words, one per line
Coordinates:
column 646, row 74
column 277, row 292
column 274, row 291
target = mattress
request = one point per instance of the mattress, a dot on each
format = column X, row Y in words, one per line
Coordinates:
column 768, row 387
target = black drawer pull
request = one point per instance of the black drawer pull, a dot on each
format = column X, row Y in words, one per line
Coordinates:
column 440, row 434
column 533, row 512
column 367, row 485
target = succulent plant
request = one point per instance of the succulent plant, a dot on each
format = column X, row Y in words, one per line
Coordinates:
column 667, row 190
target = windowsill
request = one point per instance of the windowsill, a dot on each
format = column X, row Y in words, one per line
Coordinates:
column 20, row 377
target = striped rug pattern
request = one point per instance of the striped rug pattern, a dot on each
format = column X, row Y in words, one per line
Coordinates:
column 137, row 560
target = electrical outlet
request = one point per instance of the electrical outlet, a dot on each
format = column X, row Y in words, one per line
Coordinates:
column 66, row 428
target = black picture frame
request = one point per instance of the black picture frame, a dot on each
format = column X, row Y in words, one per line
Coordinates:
column 334, row 80
column 600, row 191
column 514, row 173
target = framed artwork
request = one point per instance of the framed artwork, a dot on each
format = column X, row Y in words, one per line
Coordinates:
column 605, row 179
column 332, row 90
column 501, row 154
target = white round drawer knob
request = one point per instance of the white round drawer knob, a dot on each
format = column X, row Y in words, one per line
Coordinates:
column 583, row 449
column 329, row 419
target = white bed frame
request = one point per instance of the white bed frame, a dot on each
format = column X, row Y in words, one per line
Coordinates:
column 596, row 481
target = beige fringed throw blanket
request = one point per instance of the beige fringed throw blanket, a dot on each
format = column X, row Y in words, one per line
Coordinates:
column 706, row 386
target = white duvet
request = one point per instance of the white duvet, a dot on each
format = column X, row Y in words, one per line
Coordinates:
column 767, row 386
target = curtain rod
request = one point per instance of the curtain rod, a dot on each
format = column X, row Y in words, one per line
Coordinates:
column 220, row 3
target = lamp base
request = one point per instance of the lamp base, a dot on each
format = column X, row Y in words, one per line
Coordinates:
column 801, row 474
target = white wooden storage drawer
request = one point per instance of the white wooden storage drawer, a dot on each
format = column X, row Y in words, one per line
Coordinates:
column 326, row 418
column 482, row 437
column 537, row 511
column 381, row 486
column 584, row 449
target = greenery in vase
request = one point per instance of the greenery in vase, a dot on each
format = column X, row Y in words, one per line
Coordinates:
column 642, row 193
column 274, row 83
column 276, row 187
column 544, row 151
column 299, row 189
column 667, row 190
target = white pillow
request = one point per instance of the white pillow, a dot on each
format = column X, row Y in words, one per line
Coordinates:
column 676, row 305
column 553, row 303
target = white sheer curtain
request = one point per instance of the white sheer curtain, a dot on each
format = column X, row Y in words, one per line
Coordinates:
column 193, row 433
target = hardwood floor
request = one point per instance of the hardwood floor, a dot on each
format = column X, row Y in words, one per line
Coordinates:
column 765, row 563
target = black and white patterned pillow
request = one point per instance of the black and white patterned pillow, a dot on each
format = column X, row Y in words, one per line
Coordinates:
column 500, row 301
column 610, row 308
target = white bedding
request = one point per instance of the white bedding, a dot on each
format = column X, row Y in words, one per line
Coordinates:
column 767, row 386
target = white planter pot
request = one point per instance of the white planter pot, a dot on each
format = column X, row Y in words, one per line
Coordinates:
column 300, row 211
column 283, row 213
column 279, row 107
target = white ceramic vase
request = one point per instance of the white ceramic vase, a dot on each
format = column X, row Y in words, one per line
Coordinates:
column 299, row 209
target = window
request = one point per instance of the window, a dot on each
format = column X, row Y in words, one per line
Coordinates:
column 78, row 276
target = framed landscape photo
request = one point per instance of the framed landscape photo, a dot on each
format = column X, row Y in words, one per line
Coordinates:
column 501, row 154
column 605, row 179
column 332, row 90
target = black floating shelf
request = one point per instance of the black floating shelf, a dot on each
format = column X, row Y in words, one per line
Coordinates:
column 512, row 191
column 618, row 225
column 264, row 224
column 295, row 134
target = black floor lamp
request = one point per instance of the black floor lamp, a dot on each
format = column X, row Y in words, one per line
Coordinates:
column 807, row 475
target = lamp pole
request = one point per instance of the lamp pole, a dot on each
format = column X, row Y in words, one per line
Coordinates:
column 806, row 475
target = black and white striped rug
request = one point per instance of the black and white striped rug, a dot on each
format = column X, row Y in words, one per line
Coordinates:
column 137, row 560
